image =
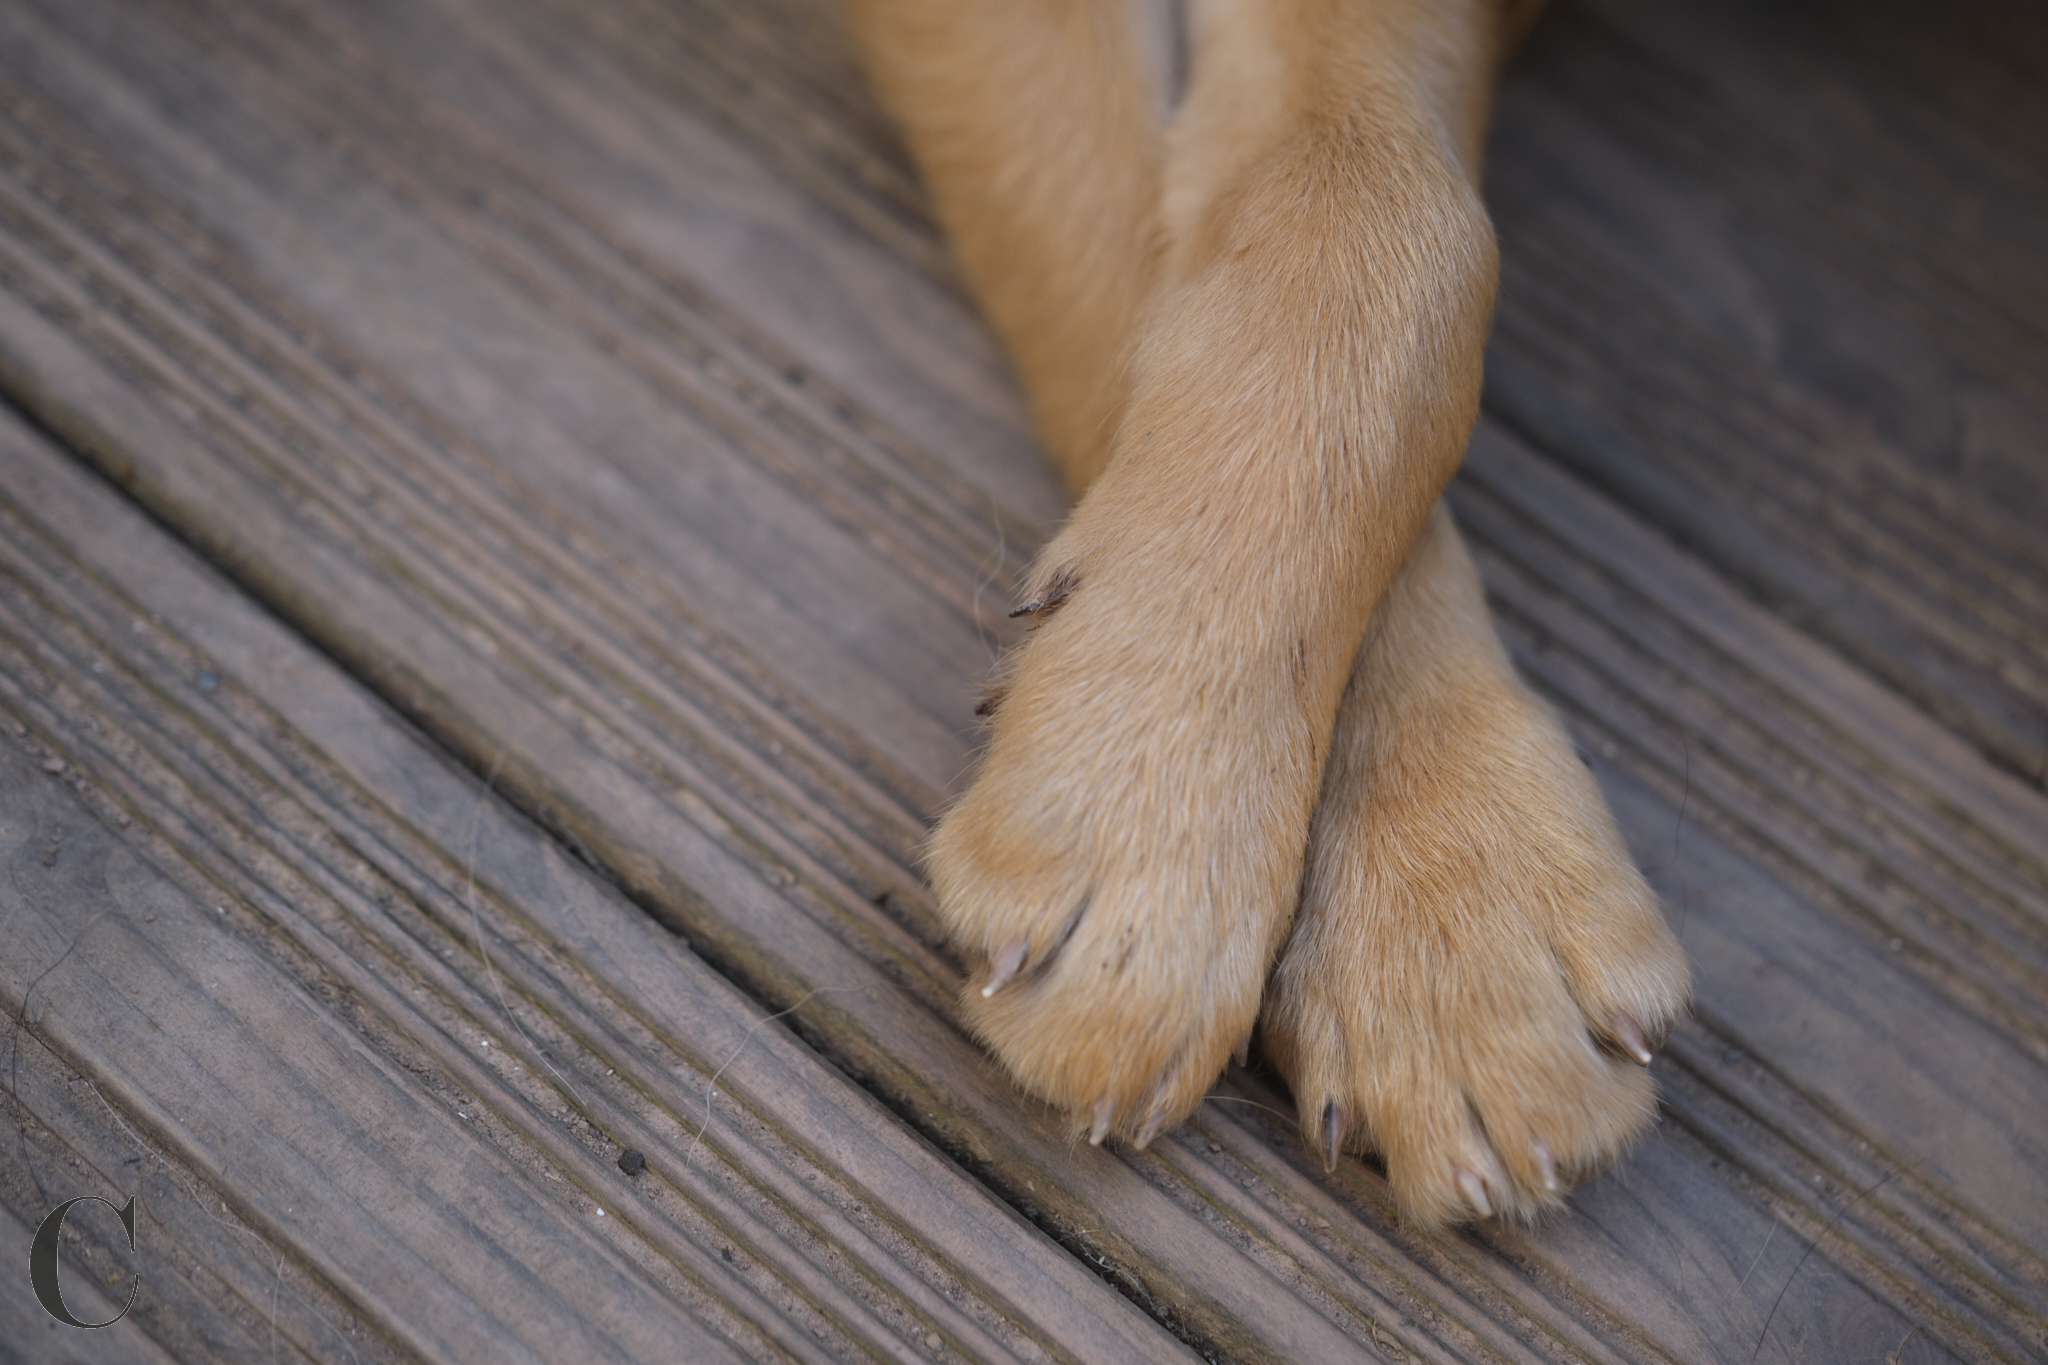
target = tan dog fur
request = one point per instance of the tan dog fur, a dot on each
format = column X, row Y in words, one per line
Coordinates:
column 1261, row 756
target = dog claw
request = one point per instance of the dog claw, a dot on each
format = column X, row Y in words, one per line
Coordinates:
column 1056, row 592
column 1155, row 1123
column 1546, row 1168
column 1334, row 1127
column 1243, row 1055
column 1007, row 962
column 1473, row 1187
column 1104, row 1112
column 1629, row 1034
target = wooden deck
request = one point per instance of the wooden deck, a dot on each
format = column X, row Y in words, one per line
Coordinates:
column 503, row 514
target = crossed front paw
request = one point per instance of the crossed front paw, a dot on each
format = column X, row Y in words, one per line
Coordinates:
column 1127, row 860
column 1471, row 973
column 1477, row 974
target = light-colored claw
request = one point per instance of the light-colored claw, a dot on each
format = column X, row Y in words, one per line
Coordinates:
column 1104, row 1112
column 1243, row 1055
column 1630, row 1035
column 1474, row 1189
column 1155, row 1123
column 1546, row 1168
column 1007, row 962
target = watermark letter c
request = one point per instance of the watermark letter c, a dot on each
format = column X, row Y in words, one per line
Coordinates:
column 42, row 1261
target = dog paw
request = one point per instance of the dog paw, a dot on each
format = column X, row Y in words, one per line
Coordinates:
column 1477, row 973
column 1126, row 862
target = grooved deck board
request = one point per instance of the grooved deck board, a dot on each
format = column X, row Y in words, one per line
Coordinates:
column 504, row 513
column 1772, row 274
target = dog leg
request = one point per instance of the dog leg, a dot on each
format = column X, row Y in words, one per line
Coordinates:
column 1033, row 123
column 1300, row 383
column 1477, row 971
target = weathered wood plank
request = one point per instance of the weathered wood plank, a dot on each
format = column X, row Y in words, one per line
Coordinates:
column 405, row 315
column 1772, row 276
column 1810, row 815
column 413, row 1036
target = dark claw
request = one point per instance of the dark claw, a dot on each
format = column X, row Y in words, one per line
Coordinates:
column 1059, row 590
column 1334, row 1127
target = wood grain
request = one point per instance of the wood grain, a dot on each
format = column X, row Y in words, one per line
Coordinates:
column 1773, row 278
column 510, row 506
column 435, row 1018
